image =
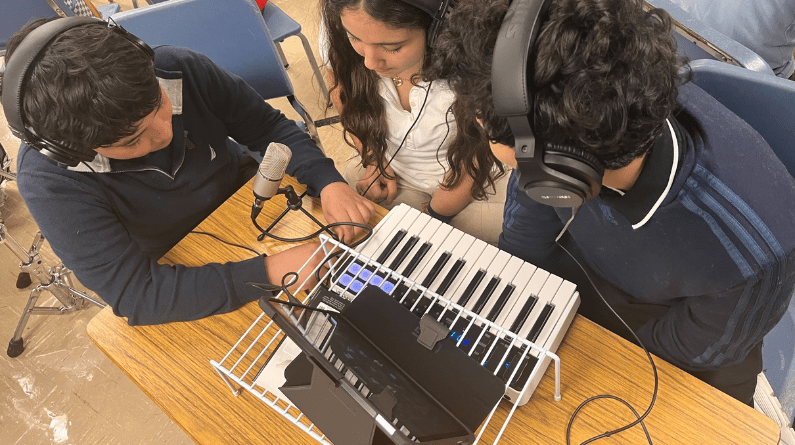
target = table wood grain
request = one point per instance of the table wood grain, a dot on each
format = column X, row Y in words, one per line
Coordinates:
column 171, row 364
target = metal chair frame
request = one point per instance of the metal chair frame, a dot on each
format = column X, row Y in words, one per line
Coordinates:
column 282, row 26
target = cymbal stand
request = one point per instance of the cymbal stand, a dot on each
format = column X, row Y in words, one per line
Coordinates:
column 56, row 280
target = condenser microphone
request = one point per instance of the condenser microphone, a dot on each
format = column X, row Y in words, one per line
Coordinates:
column 269, row 175
column 271, row 171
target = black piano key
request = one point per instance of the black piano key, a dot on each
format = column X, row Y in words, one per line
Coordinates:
column 422, row 306
column 500, row 303
column 525, row 368
column 404, row 252
column 421, row 252
column 449, row 313
column 467, row 337
column 540, row 322
column 436, row 269
column 479, row 353
column 396, row 239
column 405, row 296
column 495, row 358
column 448, row 280
column 487, row 292
column 449, row 316
column 470, row 289
column 457, row 329
column 529, row 304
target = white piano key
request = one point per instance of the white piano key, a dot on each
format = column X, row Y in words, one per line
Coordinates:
column 523, row 277
column 493, row 269
column 478, row 257
column 434, row 233
column 562, row 298
column 546, row 296
column 507, row 277
column 415, row 228
column 386, row 229
column 458, row 247
column 533, row 288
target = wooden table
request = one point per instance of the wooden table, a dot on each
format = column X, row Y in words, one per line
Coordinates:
column 171, row 364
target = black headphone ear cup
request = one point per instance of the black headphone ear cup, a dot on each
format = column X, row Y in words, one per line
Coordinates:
column 577, row 163
column 63, row 152
column 70, row 157
column 17, row 72
column 560, row 176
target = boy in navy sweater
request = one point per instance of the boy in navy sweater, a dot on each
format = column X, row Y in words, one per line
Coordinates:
column 690, row 236
column 154, row 130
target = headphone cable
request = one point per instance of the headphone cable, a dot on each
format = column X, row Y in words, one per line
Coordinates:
column 639, row 418
column 419, row 115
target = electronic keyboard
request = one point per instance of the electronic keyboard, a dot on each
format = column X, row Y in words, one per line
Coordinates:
column 485, row 297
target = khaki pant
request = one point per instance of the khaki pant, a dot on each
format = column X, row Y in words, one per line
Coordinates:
column 481, row 219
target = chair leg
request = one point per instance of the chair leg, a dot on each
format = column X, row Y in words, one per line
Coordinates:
column 281, row 55
column 315, row 68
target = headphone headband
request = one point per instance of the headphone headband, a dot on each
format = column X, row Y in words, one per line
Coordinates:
column 17, row 73
column 437, row 9
column 17, row 69
column 560, row 176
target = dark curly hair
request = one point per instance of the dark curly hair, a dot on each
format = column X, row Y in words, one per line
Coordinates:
column 606, row 73
column 363, row 114
column 89, row 88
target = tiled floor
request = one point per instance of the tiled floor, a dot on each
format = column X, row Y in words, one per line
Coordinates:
column 62, row 389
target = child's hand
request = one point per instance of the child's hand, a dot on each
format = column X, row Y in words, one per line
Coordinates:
column 382, row 189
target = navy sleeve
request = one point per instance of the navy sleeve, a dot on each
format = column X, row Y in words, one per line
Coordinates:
column 75, row 217
column 704, row 332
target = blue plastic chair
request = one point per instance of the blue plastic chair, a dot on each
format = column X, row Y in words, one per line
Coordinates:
column 696, row 40
column 17, row 13
column 282, row 26
column 232, row 33
column 767, row 103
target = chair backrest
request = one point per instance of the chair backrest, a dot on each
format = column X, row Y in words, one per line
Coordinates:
column 767, row 103
column 232, row 33
column 15, row 14
column 280, row 24
column 696, row 40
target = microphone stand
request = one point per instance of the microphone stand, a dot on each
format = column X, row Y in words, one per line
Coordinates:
column 294, row 202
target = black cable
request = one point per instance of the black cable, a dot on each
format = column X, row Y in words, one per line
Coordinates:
column 268, row 287
column 317, row 232
column 198, row 232
column 419, row 114
column 639, row 419
column 303, row 306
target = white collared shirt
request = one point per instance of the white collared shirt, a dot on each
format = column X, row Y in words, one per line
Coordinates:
column 422, row 159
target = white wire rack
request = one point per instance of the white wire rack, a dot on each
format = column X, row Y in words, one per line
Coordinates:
column 519, row 362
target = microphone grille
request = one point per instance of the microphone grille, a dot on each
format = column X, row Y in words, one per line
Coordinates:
column 274, row 161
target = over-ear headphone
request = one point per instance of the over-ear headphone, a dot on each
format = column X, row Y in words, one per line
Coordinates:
column 17, row 74
column 552, row 174
column 437, row 9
